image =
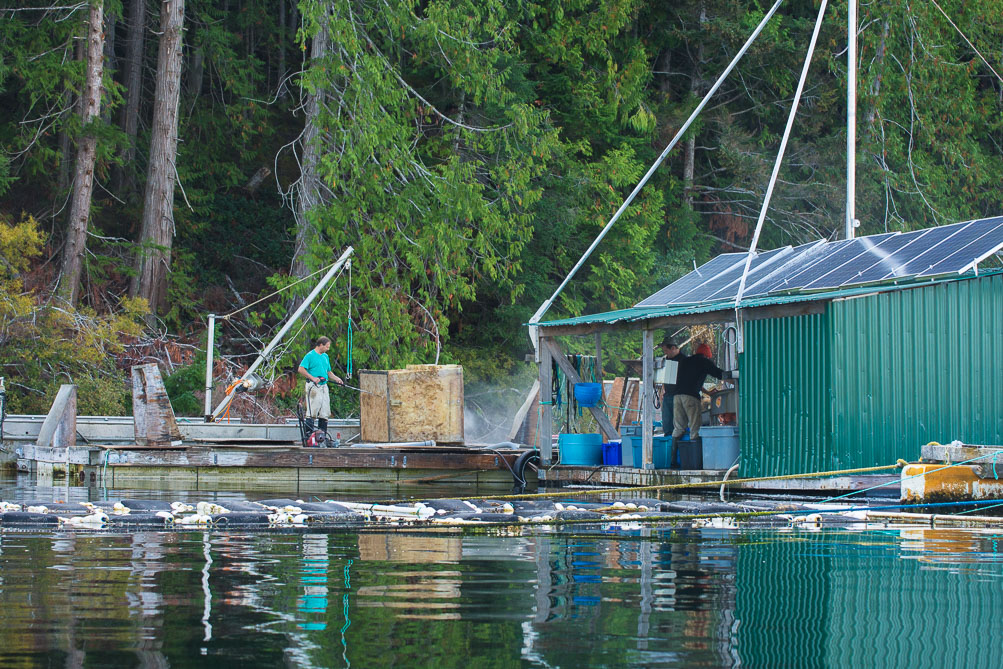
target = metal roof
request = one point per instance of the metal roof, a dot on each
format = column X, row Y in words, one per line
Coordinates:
column 820, row 271
column 638, row 314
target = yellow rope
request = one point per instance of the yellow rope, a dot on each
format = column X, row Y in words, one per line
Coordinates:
column 699, row 484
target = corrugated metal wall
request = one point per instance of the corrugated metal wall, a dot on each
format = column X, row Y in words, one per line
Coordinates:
column 843, row 599
column 785, row 406
column 915, row 366
column 873, row 378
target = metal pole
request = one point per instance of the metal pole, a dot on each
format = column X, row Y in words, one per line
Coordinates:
column 780, row 154
column 210, row 340
column 533, row 331
column 851, row 120
column 285, row 328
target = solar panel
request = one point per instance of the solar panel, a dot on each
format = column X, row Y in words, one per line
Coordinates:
column 725, row 285
column 843, row 253
column 897, row 264
column 972, row 253
column 886, row 254
column 765, row 273
column 709, row 270
column 798, row 259
column 826, row 265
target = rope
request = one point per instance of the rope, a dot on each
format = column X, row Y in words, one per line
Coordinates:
column 273, row 294
column 699, row 484
column 915, row 476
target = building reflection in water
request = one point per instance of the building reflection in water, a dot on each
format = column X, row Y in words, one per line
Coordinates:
column 632, row 597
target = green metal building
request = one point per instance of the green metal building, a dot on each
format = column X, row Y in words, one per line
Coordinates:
column 853, row 353
column 871, row 378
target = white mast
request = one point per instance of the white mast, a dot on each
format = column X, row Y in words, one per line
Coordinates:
column 851, row 119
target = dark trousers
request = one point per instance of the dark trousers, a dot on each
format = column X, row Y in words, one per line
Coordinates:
column 667, row 413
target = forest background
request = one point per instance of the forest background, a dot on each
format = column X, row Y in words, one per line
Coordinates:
column 165, row 160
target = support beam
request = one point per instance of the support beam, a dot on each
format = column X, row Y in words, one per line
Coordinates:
column 59, row 430
column 647, row 397
column 605, row 425
column 545, row 428
column 155, row 424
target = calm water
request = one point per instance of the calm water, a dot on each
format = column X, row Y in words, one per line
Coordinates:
column 538, row 598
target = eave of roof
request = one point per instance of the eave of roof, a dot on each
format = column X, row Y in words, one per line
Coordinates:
column 640, row 314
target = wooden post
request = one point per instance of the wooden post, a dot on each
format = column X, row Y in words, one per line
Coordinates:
column 545, row 428
column 155, row 424
column 647, row 397
column 605, row 424
column 59, row 429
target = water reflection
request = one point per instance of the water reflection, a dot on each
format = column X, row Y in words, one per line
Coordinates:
column 921, row 597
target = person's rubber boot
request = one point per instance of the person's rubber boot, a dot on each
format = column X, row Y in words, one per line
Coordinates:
column 322, row 426
column 674, row 457
column 308, row 425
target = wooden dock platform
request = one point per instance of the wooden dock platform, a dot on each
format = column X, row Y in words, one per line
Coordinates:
column 235, row 456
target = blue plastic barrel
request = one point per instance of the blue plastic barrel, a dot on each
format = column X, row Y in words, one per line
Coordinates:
column 588, row 394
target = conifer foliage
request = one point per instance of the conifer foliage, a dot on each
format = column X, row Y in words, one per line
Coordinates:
column 211, row 151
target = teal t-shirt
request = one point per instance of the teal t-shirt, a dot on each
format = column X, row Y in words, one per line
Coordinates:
column 318, row 364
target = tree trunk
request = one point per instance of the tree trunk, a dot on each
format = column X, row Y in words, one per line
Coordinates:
column 110, row 62
column 156, row 237
column 308, row 187
column 125, row 174
column 83, row 177
column 697, row 88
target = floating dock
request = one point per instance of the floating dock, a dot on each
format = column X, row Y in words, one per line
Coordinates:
column 238, row 456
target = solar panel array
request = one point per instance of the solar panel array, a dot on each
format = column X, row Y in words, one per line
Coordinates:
column 818, row 266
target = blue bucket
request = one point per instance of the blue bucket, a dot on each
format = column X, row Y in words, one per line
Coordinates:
column 588, row 394
column 580, row 449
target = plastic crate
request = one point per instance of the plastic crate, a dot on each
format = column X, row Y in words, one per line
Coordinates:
column 720, row 446
column 611, row 454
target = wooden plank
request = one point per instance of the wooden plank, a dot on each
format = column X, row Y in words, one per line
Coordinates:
column 607, row 428
column 350, row 458
column 59, row 430
column 614, row 400
column 374, row 406
column 647, row 398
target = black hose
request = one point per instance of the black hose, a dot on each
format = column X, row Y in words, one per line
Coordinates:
column 519, row 469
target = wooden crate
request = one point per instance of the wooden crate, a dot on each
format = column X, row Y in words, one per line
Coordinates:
column 413, row 404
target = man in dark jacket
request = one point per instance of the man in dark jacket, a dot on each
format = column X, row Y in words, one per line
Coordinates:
column 693, row 372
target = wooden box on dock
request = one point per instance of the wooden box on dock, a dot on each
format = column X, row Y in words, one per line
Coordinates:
column 417, row 403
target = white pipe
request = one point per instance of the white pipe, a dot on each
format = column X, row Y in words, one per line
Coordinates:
column 733, row 468
column 533, row 332
column 210, row 336
column 780, row 154
column 285, row 328
column 851, row 120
